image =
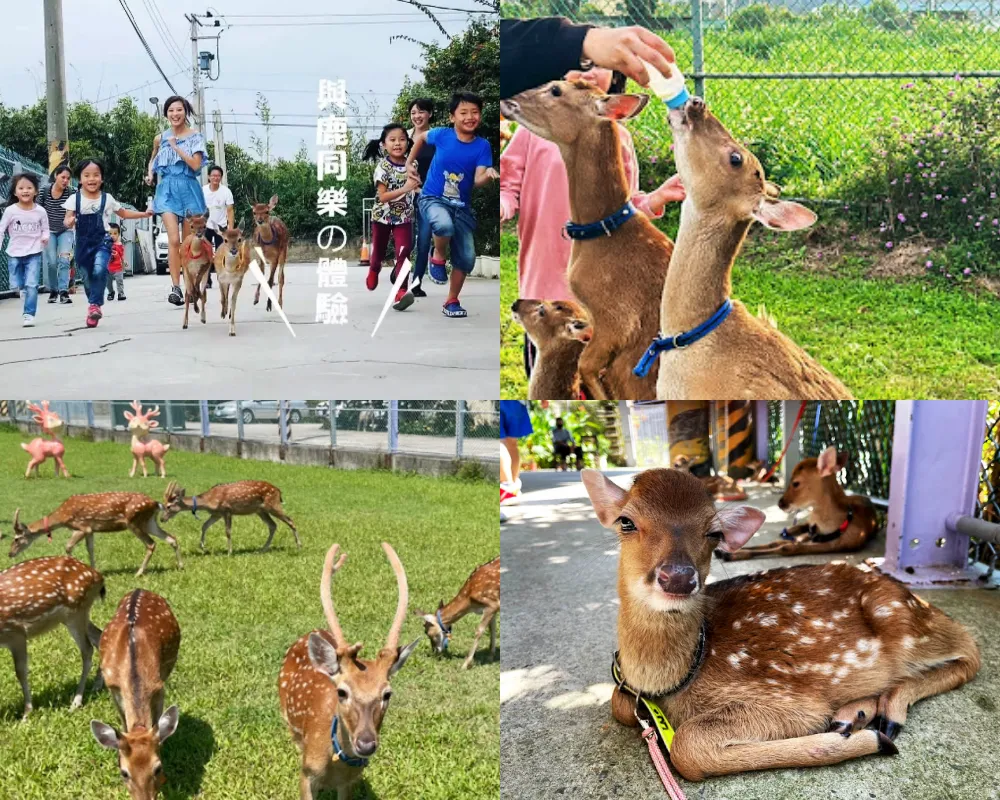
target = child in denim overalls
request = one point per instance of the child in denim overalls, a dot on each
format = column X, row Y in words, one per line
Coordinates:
column 89, row 211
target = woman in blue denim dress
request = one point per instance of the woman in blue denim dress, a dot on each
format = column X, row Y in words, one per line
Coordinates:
column 177, row 157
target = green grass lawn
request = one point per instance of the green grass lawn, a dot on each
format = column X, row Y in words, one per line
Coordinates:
column 884, row 338
column 239, row 615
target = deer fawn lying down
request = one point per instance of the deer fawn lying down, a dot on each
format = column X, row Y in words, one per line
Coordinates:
column 837, row 523
column 617, row 274
column 228, row 500
column 560, row 330
column 138, row 652
column 39, row 594
column 744, row 356
column 232, row 260
column 107, row 512
column 333, row 701
column 480, row 594
column 784, row 668
column 196, row 262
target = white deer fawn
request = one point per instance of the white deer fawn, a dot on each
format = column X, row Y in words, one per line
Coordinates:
column 480, row 594
column 140, row 424
column 334, row 701
column 87, row 514
column 742, row 355
column 38, row 595
column 227, row 500
column 837, row 522
column 138, row 652
column 785, row 668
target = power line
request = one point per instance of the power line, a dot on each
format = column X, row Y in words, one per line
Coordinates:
column 137, row 88
column 371, row 127
column 171, row 51
column 332, row 24
column 166, row 27
column 290, row 91
column 145, row 44
column 375, row 14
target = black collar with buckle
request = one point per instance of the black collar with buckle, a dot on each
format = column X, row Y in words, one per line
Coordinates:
column 829, row 537
column 699, row 657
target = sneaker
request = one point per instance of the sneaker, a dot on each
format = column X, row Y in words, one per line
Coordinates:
column 503, row 517
column 175, row 296
column 371, row 281
column 394, row 274
column 28, row 321
column 417, row 289
column 509, row 492
column 64, row 299
column 404, row 299
column 454, row 309
column 53, row 296
column 121, row 295
column 111, row 296
column 93, row 315
column 438, row 273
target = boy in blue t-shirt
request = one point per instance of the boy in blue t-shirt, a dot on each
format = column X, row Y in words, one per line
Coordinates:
column 461, row 160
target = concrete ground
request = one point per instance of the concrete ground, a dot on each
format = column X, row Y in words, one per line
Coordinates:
column 416, row 353
column 557, row 736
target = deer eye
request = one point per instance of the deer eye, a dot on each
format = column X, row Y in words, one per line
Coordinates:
column 124, row 774
column 386, row 697
column 556, row 91
column 627, row 525
column 158, row 769
column 714, row 534
column 736, row 159
column 342, row 694
column 795, row 484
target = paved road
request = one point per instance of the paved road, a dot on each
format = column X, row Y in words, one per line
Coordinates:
column 416, row 353
column 558, row 740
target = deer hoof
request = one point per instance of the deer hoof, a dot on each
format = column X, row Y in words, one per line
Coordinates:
column 886, row 746
column 891, row 729
column 77, row 702
column 232, row 333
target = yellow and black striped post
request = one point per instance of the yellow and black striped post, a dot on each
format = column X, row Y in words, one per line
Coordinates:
column 687, row 431
column 739, row 439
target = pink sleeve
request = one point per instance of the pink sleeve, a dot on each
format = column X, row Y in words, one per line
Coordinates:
column 512, row 171
column 631, row 163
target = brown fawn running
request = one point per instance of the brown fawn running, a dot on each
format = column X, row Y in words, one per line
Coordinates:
column 138, row 652
column 228, row 500
column 837, row 522
column 87, row 514
column 36, row 596
column 480, row 594
column 334, row 701
column 196, row 263
column 617, row 277
column 801, row 666
column 560, row 330
column 270, row 234
column 744, row 356
column 232, row 260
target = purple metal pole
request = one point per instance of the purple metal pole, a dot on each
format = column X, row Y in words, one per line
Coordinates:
column 936, row 453
column 760, row 426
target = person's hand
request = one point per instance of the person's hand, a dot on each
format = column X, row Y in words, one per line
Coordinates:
column 411, row 183
column 505, row 214
column 621, row 49
column 492, row 174
column 412, row 171
column 45, row 240
column 670, row 191
column 149, row 179
column 172, row 141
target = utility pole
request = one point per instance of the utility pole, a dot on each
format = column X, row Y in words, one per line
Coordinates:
column 198, row 91
column 220, row 145
column 55, row 86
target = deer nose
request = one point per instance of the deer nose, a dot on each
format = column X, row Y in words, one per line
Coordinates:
column 677, row 578
column 695, row 106
column 514, row 305
column 365, row 746
column 783, row 504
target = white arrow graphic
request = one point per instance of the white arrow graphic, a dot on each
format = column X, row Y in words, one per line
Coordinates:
column 404, row 270
column 268, row 291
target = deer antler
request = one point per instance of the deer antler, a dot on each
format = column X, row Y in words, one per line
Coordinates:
column 392, row 641
column 329, row 567
column 153, row 412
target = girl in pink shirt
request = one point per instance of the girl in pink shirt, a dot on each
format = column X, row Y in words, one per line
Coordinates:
column 534, row 185
column 27, row 224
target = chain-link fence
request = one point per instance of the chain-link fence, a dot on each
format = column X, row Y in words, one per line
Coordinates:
column 445, row 428
column 988, row 500
column 807, row 84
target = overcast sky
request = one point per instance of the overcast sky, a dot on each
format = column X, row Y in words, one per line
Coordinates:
column 104, row 57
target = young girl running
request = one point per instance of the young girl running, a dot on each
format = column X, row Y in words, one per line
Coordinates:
column 28, row 226
column 90, row 212
column 177, row 156
column 392, row 214
column 59, row 250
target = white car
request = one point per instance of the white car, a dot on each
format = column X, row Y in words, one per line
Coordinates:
column 161, row 249
column 261, row 410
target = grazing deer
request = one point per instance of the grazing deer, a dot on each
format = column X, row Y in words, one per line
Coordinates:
column 837, row 523
column 270, row 234
column 227, row 500
column 196, row 262
column 617, row 274
column 40, row 449
column 560, row 330
column 138, row 652
column 332, row 698
column 37, row 595
column 232, row 260
column 87, row 514
column 778, row 669
column 480, row 594
column 143, row 447
column 743, row 356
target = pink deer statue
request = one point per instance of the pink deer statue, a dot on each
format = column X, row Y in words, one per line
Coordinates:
column 142, row 446
column 41, row 449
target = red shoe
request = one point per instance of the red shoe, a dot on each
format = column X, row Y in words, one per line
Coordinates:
column 93, row 315
column 404, row 299
column 372, row 280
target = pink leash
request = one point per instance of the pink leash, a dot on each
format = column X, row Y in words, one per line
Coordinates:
column 674, row 790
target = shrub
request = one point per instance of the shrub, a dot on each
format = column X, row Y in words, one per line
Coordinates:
column 886, row 14
column 754, row 17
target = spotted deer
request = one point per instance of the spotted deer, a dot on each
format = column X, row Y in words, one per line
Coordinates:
column 227, row 500
column 87, row 514
column 232, row 260
column 138, row 652
column 270, row 234
column 41, row 449
column 559, row 330
column 480, row 594
column 196, row 262
column 332, row 700
column 36, row 596
column 801, row 666
column 837, row 522
column 140, row 424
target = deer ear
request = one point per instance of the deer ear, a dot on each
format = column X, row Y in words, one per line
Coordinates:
column 827, row 463
column 606, row 497
column 738, row 523
column 273, row 201
column 168, row 723
column 129, row 416
column 783, row 215
column 620, row 106
column 404, row 653
column 153, row 424
column 106, row 735
column 323, row 655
